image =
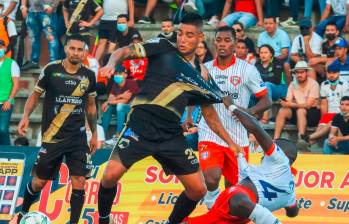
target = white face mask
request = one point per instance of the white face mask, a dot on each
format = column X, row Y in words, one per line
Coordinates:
column 167, row 35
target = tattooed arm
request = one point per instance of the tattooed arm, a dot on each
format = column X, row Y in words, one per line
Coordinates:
column 91, row 116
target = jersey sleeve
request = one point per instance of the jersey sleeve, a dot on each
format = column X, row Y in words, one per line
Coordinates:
column 276, row 156
column 323, row 93
column 153, row 47
column 293, row 201
column 15, row 70
column 42, row 83
column 94, row 5
column 256, row 84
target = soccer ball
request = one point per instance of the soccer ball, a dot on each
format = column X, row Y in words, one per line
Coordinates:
column 35, row 218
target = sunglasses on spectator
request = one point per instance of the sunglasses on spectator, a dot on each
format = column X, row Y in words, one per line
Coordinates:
column 238, row 30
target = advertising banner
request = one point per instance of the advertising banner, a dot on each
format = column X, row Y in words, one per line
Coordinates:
column 146, row 195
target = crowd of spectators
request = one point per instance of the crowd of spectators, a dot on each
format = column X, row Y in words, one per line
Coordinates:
column 307, row 76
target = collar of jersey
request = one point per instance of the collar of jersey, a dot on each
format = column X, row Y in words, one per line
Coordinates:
column 215, row 63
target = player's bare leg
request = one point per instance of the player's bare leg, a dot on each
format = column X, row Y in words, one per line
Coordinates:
column 212, row 178
column 195, row 190
column 108, row 188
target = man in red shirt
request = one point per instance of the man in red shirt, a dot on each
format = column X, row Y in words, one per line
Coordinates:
column 248, row 12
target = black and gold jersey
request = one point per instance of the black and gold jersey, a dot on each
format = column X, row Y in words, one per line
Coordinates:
column 63, row 114
column 171, row 83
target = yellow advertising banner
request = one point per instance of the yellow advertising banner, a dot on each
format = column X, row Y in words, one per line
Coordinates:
column 146, row 195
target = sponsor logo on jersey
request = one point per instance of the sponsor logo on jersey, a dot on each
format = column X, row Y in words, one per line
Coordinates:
column 70, row 82
column 123, row 143
column 205, row 155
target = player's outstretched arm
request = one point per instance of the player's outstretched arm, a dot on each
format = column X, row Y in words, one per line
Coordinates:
column 215, row 124
column 29, row 107
column 292, row 211
column 118, row 56
column 251, row 124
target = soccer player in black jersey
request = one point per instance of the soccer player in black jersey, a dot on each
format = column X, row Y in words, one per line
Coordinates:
column 70, row 91
column 173, row 80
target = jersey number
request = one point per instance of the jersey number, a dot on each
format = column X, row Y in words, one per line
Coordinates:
column 269, row 191
column 189, row 153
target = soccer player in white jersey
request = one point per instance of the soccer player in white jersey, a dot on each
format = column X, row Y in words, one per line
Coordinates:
column 262, row 189
column 238, row 79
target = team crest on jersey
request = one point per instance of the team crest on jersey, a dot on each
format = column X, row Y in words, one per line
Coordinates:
column 204, row 155
column 235, row 80
column 83, row 85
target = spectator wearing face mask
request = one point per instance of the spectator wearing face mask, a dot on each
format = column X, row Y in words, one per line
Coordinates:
column 328, row 50
column 124, row 33
column 167, row 31
column 9, row 79
column 331, row 92
column 123, row 91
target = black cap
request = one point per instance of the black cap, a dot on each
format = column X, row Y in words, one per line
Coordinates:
column 306, row 23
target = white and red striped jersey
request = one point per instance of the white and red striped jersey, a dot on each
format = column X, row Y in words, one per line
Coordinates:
column 239, row 80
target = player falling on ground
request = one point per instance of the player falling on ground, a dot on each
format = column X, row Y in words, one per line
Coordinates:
column 70, row 91
column 238, row 79
column 261, row 189
column 173, row 80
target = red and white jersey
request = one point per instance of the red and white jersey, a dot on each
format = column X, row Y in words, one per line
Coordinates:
column 273, row 179
column 239, row 80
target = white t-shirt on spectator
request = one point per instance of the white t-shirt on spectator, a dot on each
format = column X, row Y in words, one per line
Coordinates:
column 93, row 65
column 339, row 7
column 113, row 8
column 6, row 4
column 334, row 96
column 15, row 71
column 315, row 44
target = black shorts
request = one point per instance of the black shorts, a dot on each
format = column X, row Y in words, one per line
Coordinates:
column 174, row 155
column 313, row 117
column 107, row 30
column 50, row 157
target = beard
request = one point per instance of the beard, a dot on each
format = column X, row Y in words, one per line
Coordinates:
column 74, row 61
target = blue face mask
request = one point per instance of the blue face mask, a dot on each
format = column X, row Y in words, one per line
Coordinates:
column 118, row 79
column 121, row 27
column 333, row 82
column 2, row 53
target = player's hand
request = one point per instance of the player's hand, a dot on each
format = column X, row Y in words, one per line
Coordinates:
column 83, row 23
column 104, row 106
column 227, row 101
column 187, row 124
column 23, row 126
column 107, row 71
column 93, row 143
column 235, row 148
column 6, row 106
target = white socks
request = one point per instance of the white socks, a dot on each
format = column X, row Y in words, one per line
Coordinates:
column 261, row 215
column 210, row 198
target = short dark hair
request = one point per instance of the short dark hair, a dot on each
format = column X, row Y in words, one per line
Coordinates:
column 271, row 17
column 240, row 24
column 331, row 23
column 193, row 19
column 167, row 20
column 21, row 141
column 242, row 41
column 226, row 29
column 77, row 37
column 344, row 98
column 289, row 148
column 122, row 16
column 270, row 48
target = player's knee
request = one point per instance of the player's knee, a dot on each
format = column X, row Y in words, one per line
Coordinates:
column 38, row 184
column 212, row 182
column 78, row 182
column 197, row 193
column 241, row 206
